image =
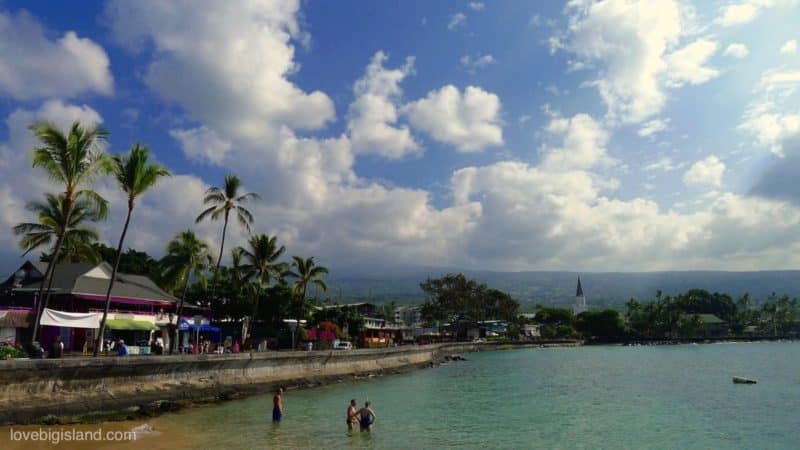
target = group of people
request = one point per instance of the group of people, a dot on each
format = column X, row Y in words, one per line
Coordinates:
column 364, row 417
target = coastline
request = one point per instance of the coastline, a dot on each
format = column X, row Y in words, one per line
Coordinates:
column 92, row 390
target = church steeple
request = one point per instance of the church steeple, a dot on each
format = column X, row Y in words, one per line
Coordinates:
column 580, row 299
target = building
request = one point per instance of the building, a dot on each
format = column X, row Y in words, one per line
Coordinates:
column 580, row 300
column 139, row 309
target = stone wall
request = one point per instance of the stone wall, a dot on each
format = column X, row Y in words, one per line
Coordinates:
column 31, row 390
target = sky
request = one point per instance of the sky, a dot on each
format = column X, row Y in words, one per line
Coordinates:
column 617, row 135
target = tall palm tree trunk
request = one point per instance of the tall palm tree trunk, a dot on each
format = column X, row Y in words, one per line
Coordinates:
column 299, row 316
column 111, row 283
column 48, row 277
column 180, row 310
column 219, row 258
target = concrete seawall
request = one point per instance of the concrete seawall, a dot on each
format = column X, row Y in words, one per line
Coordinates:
column 109, row 387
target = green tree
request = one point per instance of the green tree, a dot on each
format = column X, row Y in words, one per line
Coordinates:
column 261, row 256
column 73, row 160
column 224, row 200
column 134, row 176
column 605, row 324
column 305, row 271
column 187, row 257
column 52, row 225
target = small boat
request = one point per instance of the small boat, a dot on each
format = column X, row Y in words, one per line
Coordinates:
column 743, row 380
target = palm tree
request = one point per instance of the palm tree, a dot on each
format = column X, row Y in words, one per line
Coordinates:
column 73, row 160
column 305, row 271
column 223, row 201
column 187, row 256
column 261, row 256
column 52, row 224
column 134, row 176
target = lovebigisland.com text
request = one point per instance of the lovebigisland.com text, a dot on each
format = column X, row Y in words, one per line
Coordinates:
column 57, row 436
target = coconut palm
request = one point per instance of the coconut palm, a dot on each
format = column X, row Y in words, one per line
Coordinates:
column 305, row 271
column 134, row 176
column 52, row 225
column 224, row 200
column 187, row 256
column 261, row 266
column 76, row 239
column 72, row 160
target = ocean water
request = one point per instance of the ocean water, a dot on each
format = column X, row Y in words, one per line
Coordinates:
column 664, row 397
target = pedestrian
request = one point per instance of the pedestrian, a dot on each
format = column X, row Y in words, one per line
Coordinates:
column 277, row 406
column 122, row 349
column 352, row 415
column 58, row 348
column 366, row 417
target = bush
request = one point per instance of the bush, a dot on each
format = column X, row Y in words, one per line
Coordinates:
column 8, row 352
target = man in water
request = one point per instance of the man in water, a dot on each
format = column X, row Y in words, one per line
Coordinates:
column 352, row 415
column 366, row 417
column 277, row 406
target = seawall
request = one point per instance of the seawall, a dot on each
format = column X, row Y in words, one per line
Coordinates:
column 106, row 388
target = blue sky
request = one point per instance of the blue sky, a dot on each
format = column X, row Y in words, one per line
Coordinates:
column 514, row 135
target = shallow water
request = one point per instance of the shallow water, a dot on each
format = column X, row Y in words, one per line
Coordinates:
column 571, row 398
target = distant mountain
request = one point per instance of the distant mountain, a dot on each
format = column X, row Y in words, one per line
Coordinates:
column 602, row 289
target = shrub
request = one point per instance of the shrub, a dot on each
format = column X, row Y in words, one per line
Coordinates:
column 8, row 352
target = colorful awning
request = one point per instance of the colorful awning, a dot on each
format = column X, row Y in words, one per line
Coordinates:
column 130, row 325
column 15, row 319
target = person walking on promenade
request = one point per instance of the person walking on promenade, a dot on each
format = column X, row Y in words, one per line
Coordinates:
column 352, row 415
column 58, row 348
column 277, row 406
column 366, row 417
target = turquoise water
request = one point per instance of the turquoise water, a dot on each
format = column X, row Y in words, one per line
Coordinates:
column 677, row 397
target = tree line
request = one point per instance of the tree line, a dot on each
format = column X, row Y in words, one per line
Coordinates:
column 75, row 159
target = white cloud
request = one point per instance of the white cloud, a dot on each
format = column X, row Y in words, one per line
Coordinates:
column 688, row 64
column 468, row 121
column 768, row 118
column 738, row 13
column 524, row 118
column 707, row 172
column 737, row 51
column 472, row 65
column 202, row 144
column 373, row 113
column 457, row 20
column 632, row 43
column 653, row 127
column 789, row 48
column 630, row 39
column 240, row 65
column 582, row 145
column 664, row 164
column 476, row 6
column 32, row 66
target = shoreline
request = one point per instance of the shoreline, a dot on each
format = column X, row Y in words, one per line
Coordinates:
column 90, row 390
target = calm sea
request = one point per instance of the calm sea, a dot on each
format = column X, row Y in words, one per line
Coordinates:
column 671, row 397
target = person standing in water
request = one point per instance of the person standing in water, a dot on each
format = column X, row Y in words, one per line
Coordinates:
column 277, row 406
column 352, row 415
column 366, row 417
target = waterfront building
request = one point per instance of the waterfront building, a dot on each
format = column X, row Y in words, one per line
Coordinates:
column 580, row 300
column 139, row 311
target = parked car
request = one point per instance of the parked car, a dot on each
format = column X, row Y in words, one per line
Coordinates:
column 343, row 345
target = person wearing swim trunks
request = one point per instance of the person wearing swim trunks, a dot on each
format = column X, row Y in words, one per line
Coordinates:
column 277, row 406
column 352, row 415
column 366, row 417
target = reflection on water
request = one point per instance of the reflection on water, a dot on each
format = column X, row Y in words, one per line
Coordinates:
column 590, row 397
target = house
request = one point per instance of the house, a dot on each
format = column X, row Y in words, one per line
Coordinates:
column 532, row 330
column 139, row 309
column 712, row 326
